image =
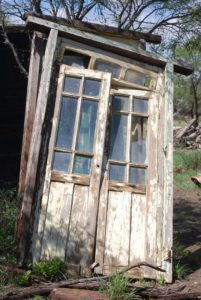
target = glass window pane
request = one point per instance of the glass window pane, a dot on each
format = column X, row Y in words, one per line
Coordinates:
column 72, row 84
column 61, row 161
column 66, row 122
column 87, row 126
column 117, row 172
column 91, row 87
column 76, row 60
column 118, row 137
column 135, row 77
column 137, row 176
column 82, row 165
column 120, row 103
column 108, row 67
column 140, row 106
column 138, row 140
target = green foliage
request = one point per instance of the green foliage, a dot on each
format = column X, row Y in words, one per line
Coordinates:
column 180, row 271
column 187, row 91
column 3, row 278
column 53, row 270
column 9, row 204
column 24, row 279
column 179, row 251
column 117, row 288
column 187, row 163
column 161, row 280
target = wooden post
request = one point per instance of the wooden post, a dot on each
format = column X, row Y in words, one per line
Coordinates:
column 32, row 92
column 168, row 173
column 23, row 232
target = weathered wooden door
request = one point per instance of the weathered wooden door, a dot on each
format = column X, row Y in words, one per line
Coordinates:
column 127, row 230
column 68, row 215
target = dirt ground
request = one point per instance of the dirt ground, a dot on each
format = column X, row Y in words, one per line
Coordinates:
column 187, row 229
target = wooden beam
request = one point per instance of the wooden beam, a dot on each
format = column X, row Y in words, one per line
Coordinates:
column 99, row 28
column 42, row 25
column 32, row 93
column 23, row 232
column 168, row 173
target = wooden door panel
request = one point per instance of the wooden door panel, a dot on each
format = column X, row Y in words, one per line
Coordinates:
column 118, row 229
column 67, row 219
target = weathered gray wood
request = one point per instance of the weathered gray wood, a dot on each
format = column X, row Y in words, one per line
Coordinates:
column 103, row 29
column 152, row 185
column 78, row 179
column 138, row 229
column 96, row 168
column 168, row 173
column 24, row 220
column 117, row 186
column 57, row 220
column 160, row 171
column 31, row 99
column 118, row 229
column 40, row 212
column 77, row 247
column 105, row 43
column 101, row 224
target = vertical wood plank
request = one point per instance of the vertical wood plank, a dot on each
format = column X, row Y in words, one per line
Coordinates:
column 118, row 229
column 32, row 92
column 152, row 186
column 24, row 220
column 57, row 220
column 168, row 172
column 94, row 188
column 78, row 235
column 160, row 171
column 41, row 204
column 101, row 225
column 137, row 238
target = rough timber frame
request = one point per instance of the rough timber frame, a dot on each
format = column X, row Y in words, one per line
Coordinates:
column 160, row 189
column 25, row 214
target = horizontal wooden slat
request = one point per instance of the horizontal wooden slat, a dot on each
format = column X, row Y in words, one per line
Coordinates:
column 78, row 179
column 116, row 186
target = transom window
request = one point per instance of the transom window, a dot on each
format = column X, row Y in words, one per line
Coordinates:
column 73, row 151
column 128, row 139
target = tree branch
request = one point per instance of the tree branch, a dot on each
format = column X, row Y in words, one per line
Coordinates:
column 12, row 47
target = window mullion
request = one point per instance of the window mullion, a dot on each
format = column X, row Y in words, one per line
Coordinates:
column 128, row 139
column 77, row 122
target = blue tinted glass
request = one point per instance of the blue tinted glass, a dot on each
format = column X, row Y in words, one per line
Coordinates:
column 120, row 103
column 138, row 140
column 137, row 176
column 117, row 172
column 72, row 84
column 91, row 87
column 118, row 137
column 140, row 106
column 87, row 126
column 61, row 161
column 66, row 122
column 82, row 165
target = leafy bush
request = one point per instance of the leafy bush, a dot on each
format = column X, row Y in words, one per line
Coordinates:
column 53, row 270
column 24, row 279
